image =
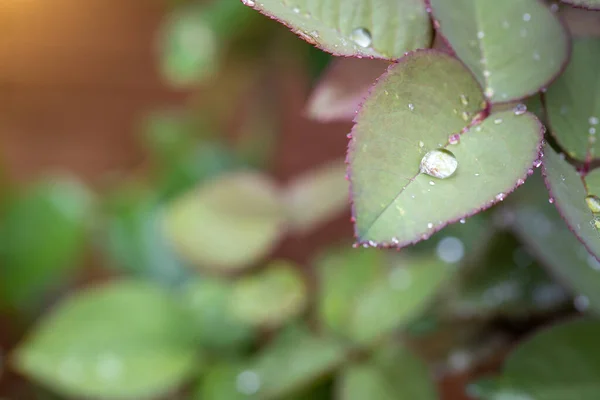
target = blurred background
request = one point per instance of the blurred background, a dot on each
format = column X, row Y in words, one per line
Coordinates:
column 175, row 225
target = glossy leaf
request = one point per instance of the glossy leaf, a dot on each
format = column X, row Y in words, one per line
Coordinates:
column 354, row 28
column 412, row 110
column 43, row 234
column 539, row 225
column 216, row 326
column 314, row 357
column 568, row 192
column 227, row 223
column 591, row 4
column 393, row 373
column 316, row 196
column 573, row 101
column 544, row 367
column 342, row 88
column 514, row 47
column 126, row 340
column 271, row 297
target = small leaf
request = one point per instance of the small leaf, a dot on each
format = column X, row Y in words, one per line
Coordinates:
column 228, row 223
column 544, row 367
column 353, row 27
column 402, row 122
column 591, row 4
column 514, row 47
column 568, row 192
column 126, row 340
column 392, row 373
column 573, row 101
column 539, row 225
column 316, row 196
column 342, row 88
column 314, row 357
column 269, row 298
column 216, row 326
column 43, row 235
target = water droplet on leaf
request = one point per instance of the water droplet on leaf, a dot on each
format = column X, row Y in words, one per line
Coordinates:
column 464, row 100
column 581, row 303
column 411, row 106
column 454, row 139
column 247, row 382
column 593, row 203
column 593, row 120
column 498, row 121
column 440, row 163
column 526, row 17
column 249, row 3
column 520, row 109
column 480, row 35
column 362, row 37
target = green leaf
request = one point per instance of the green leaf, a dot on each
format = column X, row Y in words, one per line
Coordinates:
column 514, row 47
column 228, row 381
column 393, row 373
column 568, row 192
column 228, row 223
column 591, row 4
column 316, row 196
column 271, row 297
column 314, row 357
column 216, row 326
column 539, row 225
column 126, row 340
column 386, row 30
column 342, row 88
column 573, row 101
column 43, row 236
column 557, row 363
column 402, row 120
column 167, row 134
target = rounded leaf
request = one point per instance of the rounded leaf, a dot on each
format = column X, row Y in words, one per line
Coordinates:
column 126, row 340
column 352, row 27
column 514, row 47
column 573, row 101
column 422, row 104
column 228, row 223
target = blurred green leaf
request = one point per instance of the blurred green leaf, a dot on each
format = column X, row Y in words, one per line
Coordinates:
column 216, row 325
column 135, row 243
column 270, row 297
column 124, row 340
column 316, row 196
column 228, row 223
column 393, row 373
column 558, row 363
column 228, row 381
column 296, row 360
column 167, row 135
column 400, row 195
column 42, row 238
column 513, row 47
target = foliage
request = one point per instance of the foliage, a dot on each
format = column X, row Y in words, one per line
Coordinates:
column 201, row 304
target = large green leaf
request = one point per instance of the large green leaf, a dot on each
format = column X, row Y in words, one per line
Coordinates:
column 293, row 361
column 42, row 235
column 421, row 105
column 126, row 340
column 227, row 223
column 539, row 225
column 558, row 363
column 591, row 4
column 386, row 29
column 316, row 196
column 393, row 373
column 568, row 192
column 573, row 101
column 271, row 297
column 514, row 47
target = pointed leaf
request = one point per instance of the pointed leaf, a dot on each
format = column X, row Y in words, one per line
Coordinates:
column 591, row 4
column 271, row 297
column 228, row 223
column 573, row 101
column 342, row 88
column 545, row 367
column 126, row 340
column 316, row 197
column 514, row 47
column 386, row 29
column 568, row 191
column 413, row 109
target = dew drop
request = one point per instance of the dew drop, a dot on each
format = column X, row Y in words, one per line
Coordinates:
column 432, row 183
column 480, row 35
column 592, row 130
column 462, row 220
column 440, row 163
column 581, row 303
column 498, row 121
column 520, row 182
column 487, row 73
column 454, row 139
column 526, row 17
column 520, row 109
column 489, row 92
column 593, row 203
column 500, row 196
column 421, row 144
column 464, row 100
column 247, row 382
column 249, row 3
column 593, row 120
column 430, row 225
column 296, row 10
column 551, row 200
column 595, row 222
column 450, row 249
column 464, row 115
column 362, row 37
column 411, row 106
column 537, row 163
